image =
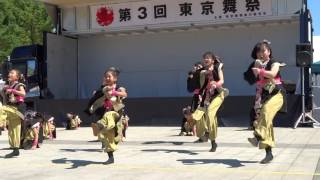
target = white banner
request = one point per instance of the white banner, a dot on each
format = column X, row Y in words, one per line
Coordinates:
column 155, row 12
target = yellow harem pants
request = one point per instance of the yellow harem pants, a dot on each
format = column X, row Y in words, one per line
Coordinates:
column 107, row 134
column 10, row 115
column 30, row 135
column 264, row 127
column 73, row 123
column 46, row 130
column 206, row 119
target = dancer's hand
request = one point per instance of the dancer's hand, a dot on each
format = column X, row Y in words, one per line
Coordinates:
column 9, row 90
column 256, row 71
column 213, row 85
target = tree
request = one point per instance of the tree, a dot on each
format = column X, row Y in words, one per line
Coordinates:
column 21, row 23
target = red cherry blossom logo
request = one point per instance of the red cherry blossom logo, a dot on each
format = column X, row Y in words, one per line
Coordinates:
column 104, row 16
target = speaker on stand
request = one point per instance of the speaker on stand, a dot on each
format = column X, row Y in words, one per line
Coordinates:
column 304, row 56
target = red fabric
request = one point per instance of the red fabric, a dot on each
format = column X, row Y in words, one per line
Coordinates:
column 20, row 99
column 13, row 91
column 264, row 81
column 108, row 104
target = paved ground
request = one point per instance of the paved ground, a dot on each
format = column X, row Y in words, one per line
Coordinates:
column 157, row 153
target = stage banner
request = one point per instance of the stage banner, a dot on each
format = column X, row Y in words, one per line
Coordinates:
column 173, row 12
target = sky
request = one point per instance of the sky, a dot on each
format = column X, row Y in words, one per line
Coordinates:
column 314, row 6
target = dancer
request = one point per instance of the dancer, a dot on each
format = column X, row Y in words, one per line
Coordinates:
column 110, row 127
column 269, row 98
column 212, row 96
column 14, row 109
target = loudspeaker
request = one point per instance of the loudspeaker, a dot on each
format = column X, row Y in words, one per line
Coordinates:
column 304, row 55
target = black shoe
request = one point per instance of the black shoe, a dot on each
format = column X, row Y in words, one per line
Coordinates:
column 205, row 138
column 14, row 153
column 182, row 133
column 268, row 157
column 111, row 159
column 199, row 141
column 103, row 145
column 253, row 141
column 213, row 146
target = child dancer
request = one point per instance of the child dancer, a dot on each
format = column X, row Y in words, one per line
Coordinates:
column 109, row 129
column 14, row 109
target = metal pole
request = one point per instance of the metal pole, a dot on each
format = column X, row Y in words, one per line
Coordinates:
column 304, row 38
column 303, row 96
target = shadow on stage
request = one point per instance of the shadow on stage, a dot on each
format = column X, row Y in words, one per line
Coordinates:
column 170, row 151
column 232, row 163
column 74, row 163
column 94, row 141
column 177, row 143
column 245, row 129
column 81, row 150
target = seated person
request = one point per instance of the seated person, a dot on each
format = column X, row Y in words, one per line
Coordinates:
column 187, row 125
column 73, row 121
column 49, row 128
column 32, row 127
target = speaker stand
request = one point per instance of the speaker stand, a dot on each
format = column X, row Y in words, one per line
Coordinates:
column 302, row 118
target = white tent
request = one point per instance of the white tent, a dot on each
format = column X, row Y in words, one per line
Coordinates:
column 316, row 47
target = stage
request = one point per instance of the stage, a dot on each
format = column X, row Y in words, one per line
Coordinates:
column 158, row 153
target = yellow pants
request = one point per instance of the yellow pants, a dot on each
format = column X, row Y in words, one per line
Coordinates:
column 107, row 134
column 73, row 123
column 206, row 120
column 46, row 129
column 30, row 134
column 3, row 118
column 9, row 114
column 264, row 127
column 201, row 127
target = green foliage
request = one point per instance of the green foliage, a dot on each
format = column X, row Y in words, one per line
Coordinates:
column 21, row 23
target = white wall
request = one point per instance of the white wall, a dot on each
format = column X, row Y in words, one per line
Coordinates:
column 155, row 65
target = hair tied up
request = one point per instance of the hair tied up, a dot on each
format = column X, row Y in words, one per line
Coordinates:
column 115, row 71
column 266, row 42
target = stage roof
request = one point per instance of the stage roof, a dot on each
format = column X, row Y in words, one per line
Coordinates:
column 72, row 2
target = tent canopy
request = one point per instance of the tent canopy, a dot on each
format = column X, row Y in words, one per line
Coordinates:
column 315, row 68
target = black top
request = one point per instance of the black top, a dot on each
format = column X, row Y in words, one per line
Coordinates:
column 269, row 66
column 215, row 72
column 194, row 82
